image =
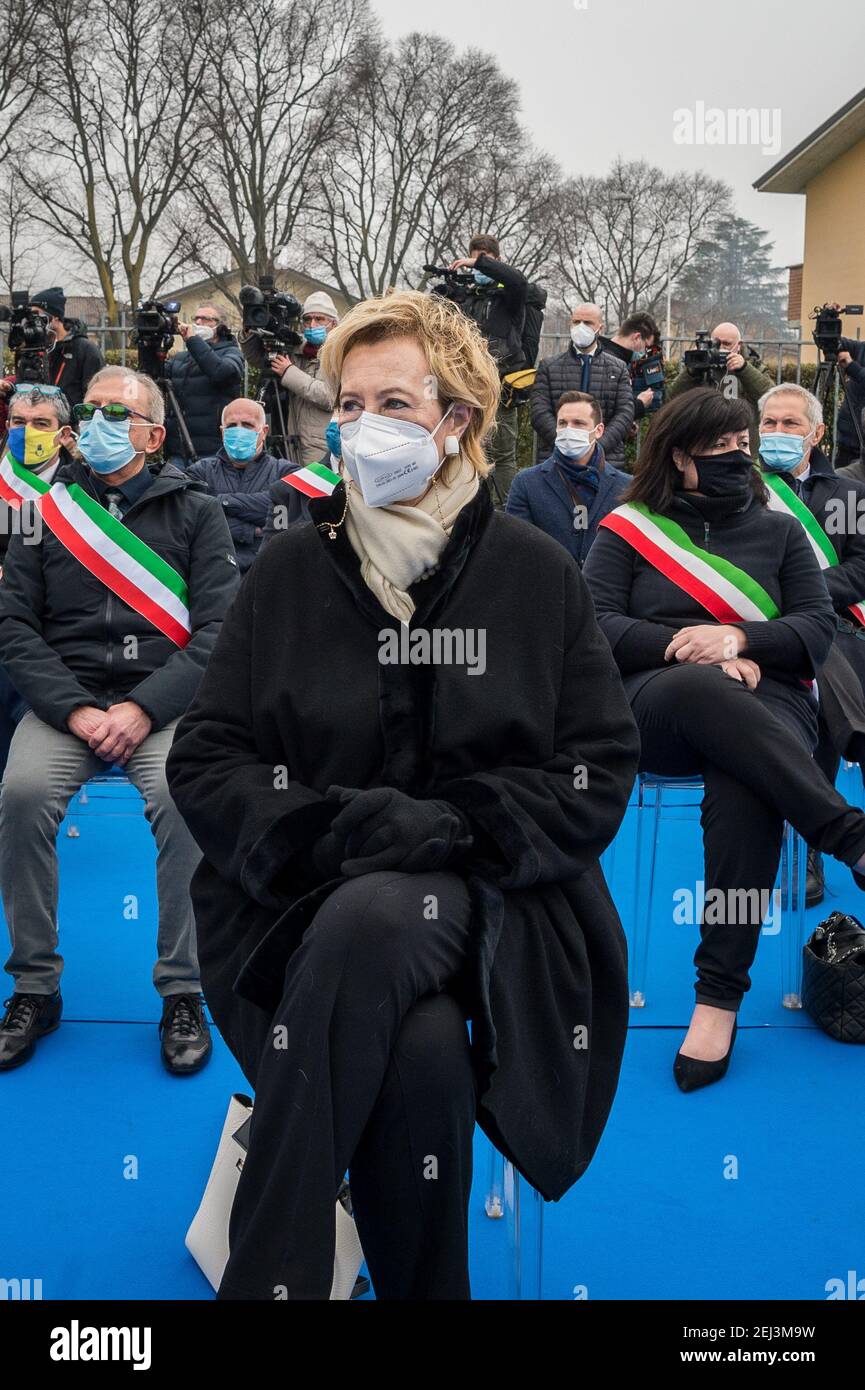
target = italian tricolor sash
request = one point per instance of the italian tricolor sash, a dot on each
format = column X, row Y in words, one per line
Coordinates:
column 123, row 562
column 724, row 590
column 782, row 498
column 314, row 480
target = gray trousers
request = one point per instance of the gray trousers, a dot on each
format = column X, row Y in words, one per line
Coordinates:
column 44, row 771
column 501, row 450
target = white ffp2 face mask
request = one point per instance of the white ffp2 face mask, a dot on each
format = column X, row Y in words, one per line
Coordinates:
column 201, row 330
column 582, row 336
column 390, row 460
column 573, row 442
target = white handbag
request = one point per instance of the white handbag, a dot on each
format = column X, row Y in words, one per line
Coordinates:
column 207, row 1237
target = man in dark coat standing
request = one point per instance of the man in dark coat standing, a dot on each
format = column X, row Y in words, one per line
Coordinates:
column 791, row 428
column 106, row 625
column 204, row 378
column 240, row 476
column 585, row 366
column 570, row 493
column 73, row 359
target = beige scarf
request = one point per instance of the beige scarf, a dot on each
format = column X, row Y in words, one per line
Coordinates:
column 399, row 543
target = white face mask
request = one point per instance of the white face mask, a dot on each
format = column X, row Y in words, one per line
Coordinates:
column 391, row 460
column 573, row 442
column 582, row 336
column 201, row 330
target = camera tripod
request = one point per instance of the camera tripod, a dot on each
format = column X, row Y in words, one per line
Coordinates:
column 174, row 411
column 272, row 398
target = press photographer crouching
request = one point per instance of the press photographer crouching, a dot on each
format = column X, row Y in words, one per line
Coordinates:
column 241, row 475
column 300, row 416
column 73, row 359
column 108, row 614
column 204, row 377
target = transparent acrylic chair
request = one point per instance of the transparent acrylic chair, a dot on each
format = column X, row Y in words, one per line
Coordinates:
column 80, row 807
column 511, row 1198
column 651, row 810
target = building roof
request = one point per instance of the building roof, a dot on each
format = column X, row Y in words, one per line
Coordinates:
column 287, row 272
column 828, row 142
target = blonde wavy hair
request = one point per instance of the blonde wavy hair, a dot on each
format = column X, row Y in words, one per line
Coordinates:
column 452, row 344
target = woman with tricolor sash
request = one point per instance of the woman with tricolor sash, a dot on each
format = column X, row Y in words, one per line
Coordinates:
column 719, row 620
column 395, row 841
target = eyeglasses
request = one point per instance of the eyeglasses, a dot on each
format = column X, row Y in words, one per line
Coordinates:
column 112, row 411
column 26, row 386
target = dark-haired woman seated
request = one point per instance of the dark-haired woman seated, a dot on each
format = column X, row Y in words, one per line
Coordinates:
column 719, row 620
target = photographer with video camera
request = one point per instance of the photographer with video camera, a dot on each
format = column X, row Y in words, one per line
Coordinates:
column 638, row 344
column 309, row 403
column 849, row 353
column 723, row 361
column 73, row 359
column 494, row 294
column 204, row 377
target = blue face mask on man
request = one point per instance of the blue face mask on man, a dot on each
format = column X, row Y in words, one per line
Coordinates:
column 333, row 439
column 781, row 452
column 240, row 442
column 481, row 279
column 105, row 445
column 315, row 336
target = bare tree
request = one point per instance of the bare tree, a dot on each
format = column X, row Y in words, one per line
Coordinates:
column 619, row 236
column 267, row 124
column 407, row 118
column 18, row 260
column 18, row 78
column 512, row 194
column 110, row 140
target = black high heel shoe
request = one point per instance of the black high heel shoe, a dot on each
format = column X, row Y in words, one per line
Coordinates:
column 691, row 1073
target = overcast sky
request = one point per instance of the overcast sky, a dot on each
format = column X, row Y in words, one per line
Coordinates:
column 601, row 78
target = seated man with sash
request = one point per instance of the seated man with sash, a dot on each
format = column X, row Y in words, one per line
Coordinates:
column 719, row 621
column 831, row 509
column 109, row 609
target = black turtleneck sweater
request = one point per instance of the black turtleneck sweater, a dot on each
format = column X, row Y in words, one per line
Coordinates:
column 640, row 611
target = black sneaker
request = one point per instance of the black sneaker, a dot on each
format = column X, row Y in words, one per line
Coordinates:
column 814, row 882
column 28, row 1018
column 186, row 1044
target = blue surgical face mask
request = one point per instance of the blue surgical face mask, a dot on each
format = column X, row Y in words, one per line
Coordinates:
column 240, row 441
column 315, row 336
column 781, row 452
column 333, row 439
column 481, row 279
column 105, row 445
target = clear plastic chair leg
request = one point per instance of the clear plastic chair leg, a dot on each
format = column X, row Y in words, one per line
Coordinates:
column 494, row 1203
column 524, row 1208
column 794, row 868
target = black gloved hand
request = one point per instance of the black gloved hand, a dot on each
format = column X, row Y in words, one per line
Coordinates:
column 385, row 829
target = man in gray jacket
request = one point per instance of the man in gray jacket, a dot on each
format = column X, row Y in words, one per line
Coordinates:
column 584, row 367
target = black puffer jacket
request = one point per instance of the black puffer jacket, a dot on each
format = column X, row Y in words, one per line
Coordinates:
column 204, row 379
column 73, row 361
column 609, row 383
column 65, row 637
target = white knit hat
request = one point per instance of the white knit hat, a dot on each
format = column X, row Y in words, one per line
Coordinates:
column 320, row 302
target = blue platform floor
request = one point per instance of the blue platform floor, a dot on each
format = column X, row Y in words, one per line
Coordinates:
column 716, row 1195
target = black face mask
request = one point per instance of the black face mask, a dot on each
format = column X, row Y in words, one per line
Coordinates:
column 723, row 475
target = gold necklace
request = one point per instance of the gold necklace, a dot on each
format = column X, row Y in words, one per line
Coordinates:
column 332, row 526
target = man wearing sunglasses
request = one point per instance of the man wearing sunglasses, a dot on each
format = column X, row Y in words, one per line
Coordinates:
column 106, row 625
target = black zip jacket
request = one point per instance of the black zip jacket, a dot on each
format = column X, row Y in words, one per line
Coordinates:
column 838, row 503
column 66, row 640
column 640, row 611
column 73, row 361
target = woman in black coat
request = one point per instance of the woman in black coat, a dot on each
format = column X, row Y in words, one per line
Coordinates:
column 719, row 620
column 405, row 759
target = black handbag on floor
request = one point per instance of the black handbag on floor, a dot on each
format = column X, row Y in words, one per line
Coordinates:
column 833, row 977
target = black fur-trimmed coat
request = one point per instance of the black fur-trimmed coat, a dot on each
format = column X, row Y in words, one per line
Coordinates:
column 539, row 751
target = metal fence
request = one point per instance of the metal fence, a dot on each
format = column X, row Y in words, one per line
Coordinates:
column 778, row 351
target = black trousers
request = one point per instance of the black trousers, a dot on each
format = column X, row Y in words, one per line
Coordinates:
column 364, row 1066
column 753, row 754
